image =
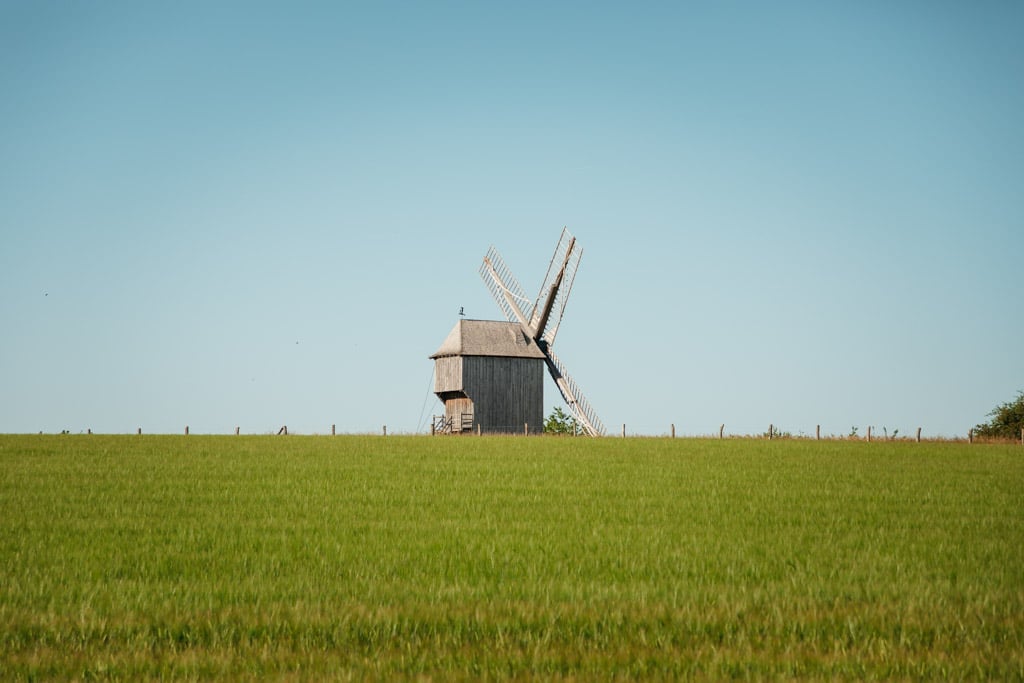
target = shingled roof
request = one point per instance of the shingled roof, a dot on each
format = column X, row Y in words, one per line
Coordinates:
column 488, row 338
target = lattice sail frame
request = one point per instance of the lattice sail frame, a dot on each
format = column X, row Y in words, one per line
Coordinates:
column 569, row 253
column 505, row 288
column 573, row 396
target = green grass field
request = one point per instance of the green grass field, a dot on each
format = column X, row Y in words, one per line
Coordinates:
column 126, row 557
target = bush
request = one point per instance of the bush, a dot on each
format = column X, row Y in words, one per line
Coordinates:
column 1007, row 420
column 559, row 422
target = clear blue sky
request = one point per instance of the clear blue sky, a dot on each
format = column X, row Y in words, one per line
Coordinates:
column 258, row 214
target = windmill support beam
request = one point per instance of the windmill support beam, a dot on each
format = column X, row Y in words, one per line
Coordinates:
column 550, row 302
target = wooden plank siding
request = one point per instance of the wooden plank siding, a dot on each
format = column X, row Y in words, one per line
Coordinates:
column 447, row 374
column 506, row 392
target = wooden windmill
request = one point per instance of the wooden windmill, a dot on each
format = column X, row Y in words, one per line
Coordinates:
column 541, row 319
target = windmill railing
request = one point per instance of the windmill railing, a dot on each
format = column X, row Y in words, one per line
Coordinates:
column 446, row 424
column 443, row 424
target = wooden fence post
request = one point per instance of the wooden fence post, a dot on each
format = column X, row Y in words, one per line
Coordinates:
column 771, row 429
column 817, row 433
column 970, row 436
column 673, row 430
column 623, row 430
column 721, row 432
column 238, row 430
column 869, row 433
column 139, row 432
column 333, row 426
column 479, row 431
column 385, row 428
column 919, row 435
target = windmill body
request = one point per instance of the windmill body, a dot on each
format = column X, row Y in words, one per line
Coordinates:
column 489, row 374
column 490, row 377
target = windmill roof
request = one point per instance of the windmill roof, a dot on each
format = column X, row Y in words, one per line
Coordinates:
column 488, row 338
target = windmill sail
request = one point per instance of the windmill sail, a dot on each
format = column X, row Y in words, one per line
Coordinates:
column 574, row 398
column 554, row 293
column 506, row 290
column 540, row 320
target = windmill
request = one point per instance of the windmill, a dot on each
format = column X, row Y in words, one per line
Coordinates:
column 541, row 319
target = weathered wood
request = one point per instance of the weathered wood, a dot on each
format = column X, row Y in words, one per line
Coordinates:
column 505, row 391
column 771, row 431
column 139, row 432
column 500, row 392
column 673, row 431
column 238, row 430
column 333, row 432
column 623, row 430
column 448, row 374
column 553, row 291
column 454, row 409
column 385, row 429
column 817, row 432
column 869, row 433
column 919, row 435
column 721, row 431
column 970, row 436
